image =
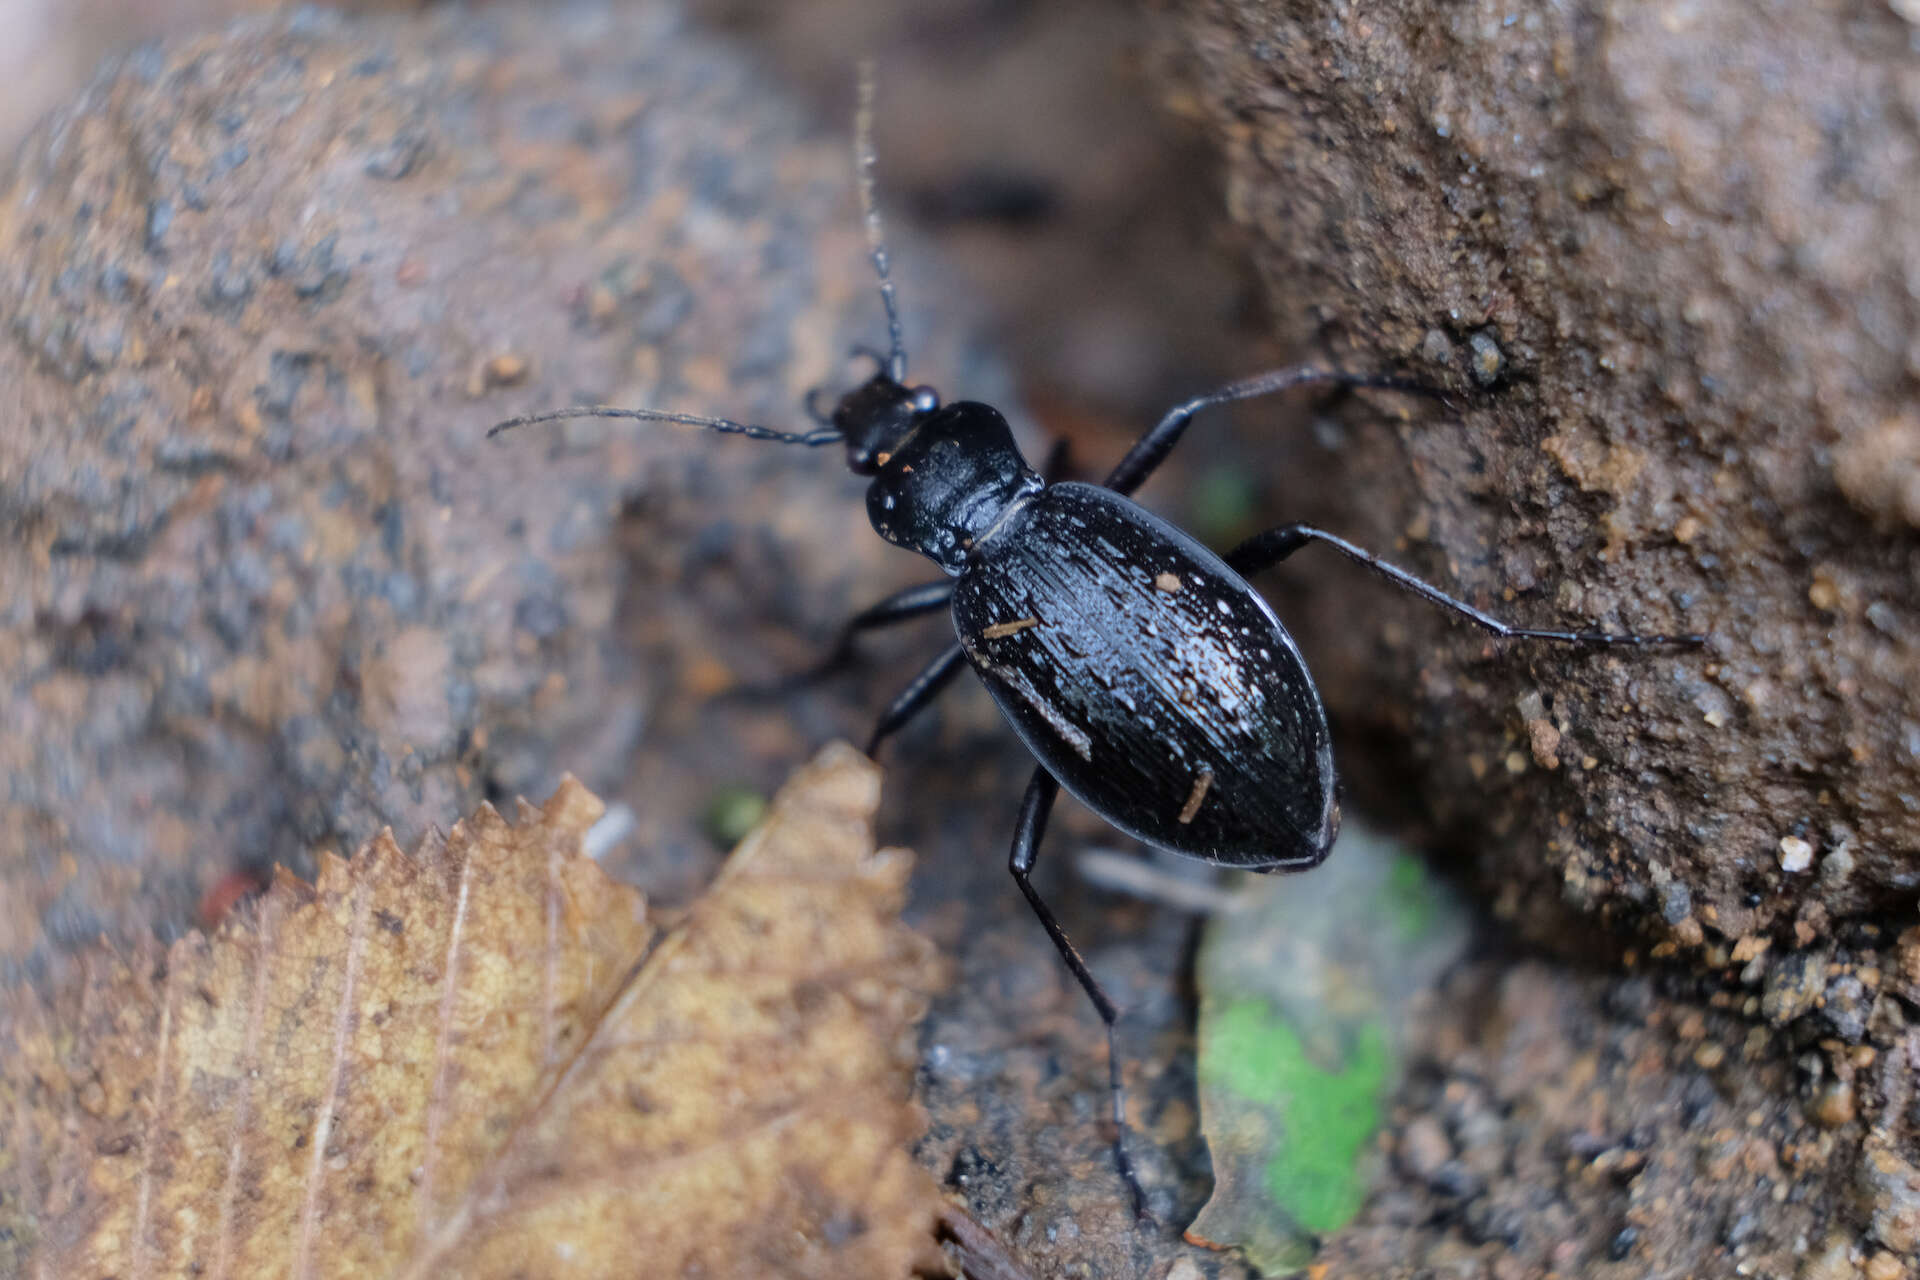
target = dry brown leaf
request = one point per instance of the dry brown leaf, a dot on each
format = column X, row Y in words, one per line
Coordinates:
column 467, row 1062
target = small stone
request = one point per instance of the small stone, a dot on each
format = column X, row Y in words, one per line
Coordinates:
column 1832, row 1261
column 159, row 221
column 1793, row 984
column 1456, row 1180
column 1424, row 1148
column 1708, row 1056
column 1884, row 1266
column 1676, row 902
column 601, row 303
column 1451, row 1257
column 1796, row 855
column 1846, row 1008
column 1544, row 738
column 1887, row 1024
column 1892, row 1188
column 1908, row 949
column 1838, row 865
column 1834, row 1106
column 1630, row 998
column 1486, row 362
column 505, row 370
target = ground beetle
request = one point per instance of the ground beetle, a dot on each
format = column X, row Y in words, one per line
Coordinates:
column 1140, row 669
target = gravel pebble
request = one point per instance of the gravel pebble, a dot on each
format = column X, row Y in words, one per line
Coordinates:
column 1424, row 1148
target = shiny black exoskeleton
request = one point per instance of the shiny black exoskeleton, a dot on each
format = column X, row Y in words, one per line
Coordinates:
column 1141, row 669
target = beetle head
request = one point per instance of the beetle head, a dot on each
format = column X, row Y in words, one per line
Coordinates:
column 876, row 416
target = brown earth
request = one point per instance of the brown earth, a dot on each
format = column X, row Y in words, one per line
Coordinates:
column 1689, row 294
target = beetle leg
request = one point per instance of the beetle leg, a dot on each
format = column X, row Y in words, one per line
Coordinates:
column 901, row 606
column 1034, row 810
column 911, row 602
column 920, row 691
column 1152, row 448
column 1263, row 550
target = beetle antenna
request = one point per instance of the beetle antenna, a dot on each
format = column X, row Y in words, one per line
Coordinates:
column 863, row 159
column 726, row 426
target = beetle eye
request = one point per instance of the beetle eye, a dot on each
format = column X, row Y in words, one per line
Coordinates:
column 925, row 399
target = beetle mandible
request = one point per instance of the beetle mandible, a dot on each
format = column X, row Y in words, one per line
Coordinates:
column 1140, row 668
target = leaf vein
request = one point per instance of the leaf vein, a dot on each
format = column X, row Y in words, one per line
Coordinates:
column 342, row 1027
column 243, row 1106
column 150, row 1145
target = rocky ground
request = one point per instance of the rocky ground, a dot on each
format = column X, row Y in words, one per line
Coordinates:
column 269, row 589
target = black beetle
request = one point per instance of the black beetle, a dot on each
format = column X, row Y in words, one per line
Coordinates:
column 1139, row 667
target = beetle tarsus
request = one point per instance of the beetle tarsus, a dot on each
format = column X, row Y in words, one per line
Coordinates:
column 1264, row 550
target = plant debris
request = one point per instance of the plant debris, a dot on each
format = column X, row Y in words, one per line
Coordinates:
column 484, row 1059
column 1306, row 988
